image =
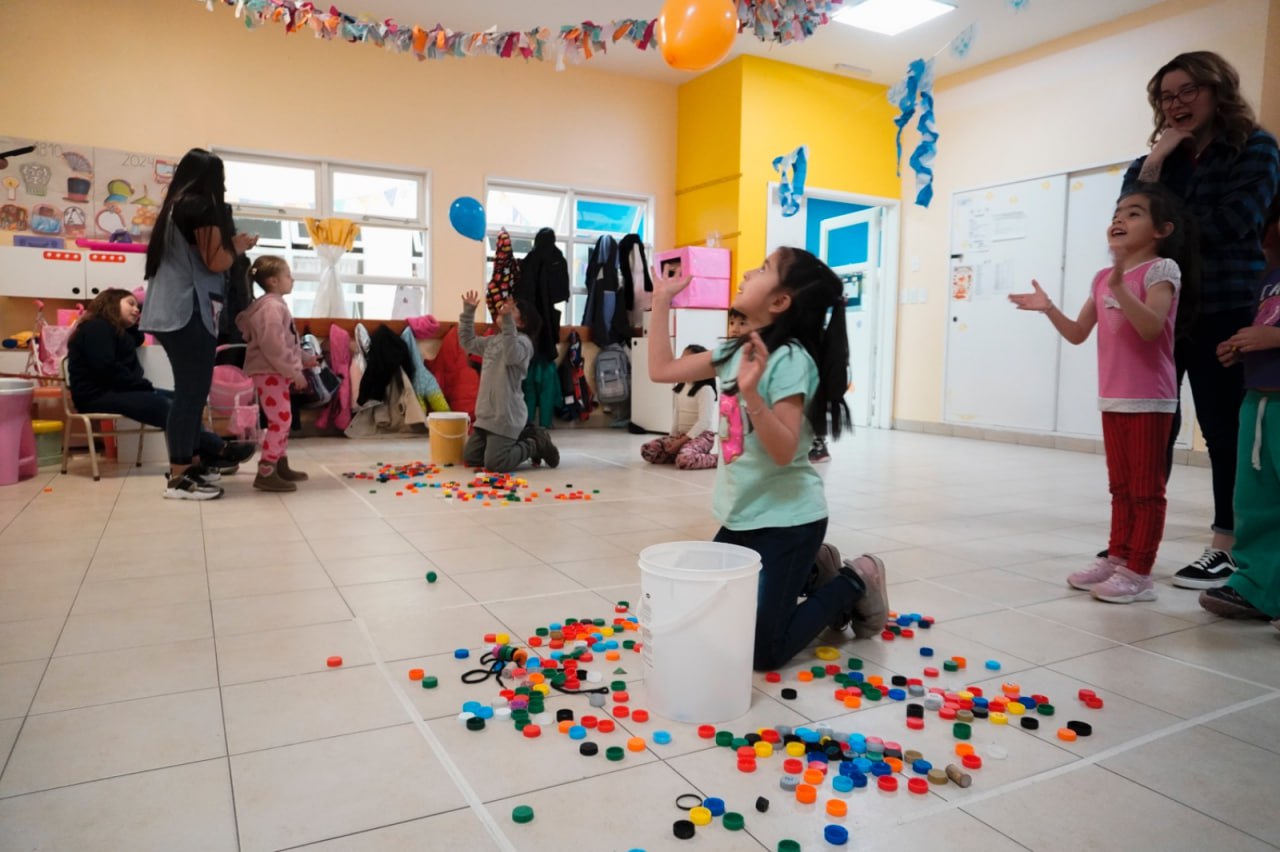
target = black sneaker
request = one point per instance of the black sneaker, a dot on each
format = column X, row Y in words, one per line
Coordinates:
column 1210, row 571
column 188, row 487
column 818, row 452
column 235, row 453
column 1229, row 603
column 545, row 449
column 1104, row 553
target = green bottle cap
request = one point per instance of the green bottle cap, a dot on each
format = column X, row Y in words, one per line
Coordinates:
column 724, row 738
column 541, row 631
column 618, row 686
column 432, row 576
column 950, row 666
column 733, row 821
column 615, row 753
column 788, row 846
column 855, row 665
column 818, row 671
column 961, row 730
column 1044, row 709
column 739, row 742
column 628, row 644
column 430, row 682
column 522, row 814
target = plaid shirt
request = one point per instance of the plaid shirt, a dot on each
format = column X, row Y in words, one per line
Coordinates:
column 1229, row 195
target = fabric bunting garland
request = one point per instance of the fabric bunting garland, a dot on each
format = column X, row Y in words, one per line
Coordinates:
column 916, row 90
column 781, row 21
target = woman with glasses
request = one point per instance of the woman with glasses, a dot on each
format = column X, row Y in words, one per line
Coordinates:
column 1208, row 149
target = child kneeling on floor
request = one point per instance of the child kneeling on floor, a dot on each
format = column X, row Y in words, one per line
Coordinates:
column 274, row 360
column 691, row 440
column 503, row 438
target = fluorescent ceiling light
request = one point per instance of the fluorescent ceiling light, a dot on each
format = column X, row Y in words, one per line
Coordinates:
column 890, row 17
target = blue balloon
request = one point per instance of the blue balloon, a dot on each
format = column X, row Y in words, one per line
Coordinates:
column 467, row 217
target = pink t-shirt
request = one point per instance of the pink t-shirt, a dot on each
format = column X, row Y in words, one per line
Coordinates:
column 1134, row 375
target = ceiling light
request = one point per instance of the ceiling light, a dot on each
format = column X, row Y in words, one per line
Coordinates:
column 890, row 17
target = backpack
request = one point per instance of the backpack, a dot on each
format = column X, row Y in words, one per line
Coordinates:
column 578, row 403
column 613, row 375
column 322, row 382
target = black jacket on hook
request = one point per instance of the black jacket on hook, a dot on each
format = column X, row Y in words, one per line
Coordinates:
column 607, row 314
column 544, row 282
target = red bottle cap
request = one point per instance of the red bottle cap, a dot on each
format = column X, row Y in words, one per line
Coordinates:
column 621, row 712
column 704, row 731
column 605, row 726
column 771, row 736
column 917, row 785
column 915, row 724
column 930, row 671
column 747, row 752
column 1085, row 694
column 621, row 697
column 793, row 766
column 888, row 783
column 333, row 662
column 745, row 765
column 947, row 713
column 971, row 761
column 588, row 721
column 887, row 636
column 1094, row 703
column 640, row 715
column 531, row 731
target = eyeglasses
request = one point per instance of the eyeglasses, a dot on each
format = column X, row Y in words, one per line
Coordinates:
column 1185, row 95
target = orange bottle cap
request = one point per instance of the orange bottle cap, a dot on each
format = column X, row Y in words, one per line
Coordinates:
column 837, row 808
column 806, row 794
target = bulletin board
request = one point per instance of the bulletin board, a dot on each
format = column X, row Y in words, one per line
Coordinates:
column 68, row 191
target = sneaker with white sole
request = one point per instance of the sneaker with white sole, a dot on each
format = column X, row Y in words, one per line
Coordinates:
column 872, row 609
column 1100, row 571
column 1124, row 586
column 188, row 487
column 1210, row 571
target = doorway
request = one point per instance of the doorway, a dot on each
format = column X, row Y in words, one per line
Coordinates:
column 857, row 236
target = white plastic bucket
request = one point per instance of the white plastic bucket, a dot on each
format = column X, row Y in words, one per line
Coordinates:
column 697, row 622
column 448, row 435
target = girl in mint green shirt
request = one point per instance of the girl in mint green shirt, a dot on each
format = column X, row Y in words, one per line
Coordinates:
column 789, row 374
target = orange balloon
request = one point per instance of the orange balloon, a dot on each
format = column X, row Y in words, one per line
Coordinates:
column 695, row 34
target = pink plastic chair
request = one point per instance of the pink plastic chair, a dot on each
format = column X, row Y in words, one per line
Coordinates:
column 17, row 440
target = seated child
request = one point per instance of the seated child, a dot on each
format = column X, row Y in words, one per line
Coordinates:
column 691, row 440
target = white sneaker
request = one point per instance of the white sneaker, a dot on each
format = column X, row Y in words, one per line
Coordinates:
column 872, row 609
column 188, row 487
column 1124, row 586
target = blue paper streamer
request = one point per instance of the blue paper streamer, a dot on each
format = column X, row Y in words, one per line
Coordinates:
column 1019, row 5
column 792, row 170
column 915, row 90
column 963, row 42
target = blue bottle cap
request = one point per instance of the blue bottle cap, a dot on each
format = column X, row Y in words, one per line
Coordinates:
column 485, row 712
column 859, row 780
column 662, row 737
column 836, row 835
column 926, row 652
column 471, row 707
column 842, row 783
column 577, row 732
column 856, row 677
column 898, row 694
column 715, row 805
column 461, row 654
column 862, row 765
column 880, row 769
column 994, row 665
column 921, row 767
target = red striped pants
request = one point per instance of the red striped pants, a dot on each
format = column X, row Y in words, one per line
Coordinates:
column 1136, row 445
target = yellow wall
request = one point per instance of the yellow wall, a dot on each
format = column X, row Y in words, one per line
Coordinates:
column 164, row 75
column 736, row 119
column 1071, row 104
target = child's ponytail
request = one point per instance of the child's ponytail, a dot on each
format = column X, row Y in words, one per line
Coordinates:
column 1182, row 246
column 833, row 376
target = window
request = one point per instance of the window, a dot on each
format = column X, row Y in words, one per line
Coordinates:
column 578, row 217
column 272, row 196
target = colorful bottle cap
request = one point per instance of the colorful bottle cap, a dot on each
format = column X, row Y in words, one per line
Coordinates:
column 898, row 694
column 937, row 776
column 588, row 749
column 971, row 761
column 714, row 805
column 522, row 814
column 605, row 726
column 707, row 731
column 963, row 748
column 662, row 737
column 921, row 767
column 461, row 654
column 806, row 794
column 700, row 816
column 854, row 664
column 430, row 682
column 475, row 723
column 918, row 785
column 333, row 662
column 746, row 764
column 636, row 744
column 640, row 716
column 764, row 749
column 531, row 731
column 993, row 665
column 842, row 783
column 836, row 835
column 577, row 732
column 762, row 804
column 788, row 846
column 887, row 783
column 432, row 576
column 837, row 807
column 773, row 677
column 961, row 730
column 683, row 829
column 733, row 821
column 724, row 738
column 614, row 753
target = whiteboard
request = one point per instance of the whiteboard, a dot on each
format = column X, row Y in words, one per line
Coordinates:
column 1002, row 366
column 1091, row 199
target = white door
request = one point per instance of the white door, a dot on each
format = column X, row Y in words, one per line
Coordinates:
column 862, row 288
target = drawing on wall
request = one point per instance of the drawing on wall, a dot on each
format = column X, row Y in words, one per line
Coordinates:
column 961, row 283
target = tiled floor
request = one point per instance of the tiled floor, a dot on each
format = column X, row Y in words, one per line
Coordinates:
column 163, row 683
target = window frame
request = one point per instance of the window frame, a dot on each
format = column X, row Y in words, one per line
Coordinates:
column 571, row 195
column 325, row 169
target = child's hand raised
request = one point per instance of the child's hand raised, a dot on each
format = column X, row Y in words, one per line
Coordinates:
column 668, row 286
column 1037, row 300
column 755, row 357
column 471, row 298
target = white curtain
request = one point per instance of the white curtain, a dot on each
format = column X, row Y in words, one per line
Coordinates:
column 329, row 300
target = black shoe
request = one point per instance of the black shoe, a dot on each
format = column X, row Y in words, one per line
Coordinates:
column 818, row 452
column 1210, row 571
column 234, row 453
column 1104, row 553
column 188, row 487
column 1229, row 603
column 209, row 475
column 544, row 449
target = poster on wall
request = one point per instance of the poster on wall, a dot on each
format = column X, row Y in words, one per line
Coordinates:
column 64, row 192
column 961, row 283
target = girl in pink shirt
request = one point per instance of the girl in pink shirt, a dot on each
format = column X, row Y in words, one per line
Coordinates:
column 1134, row 305
column 274, row 361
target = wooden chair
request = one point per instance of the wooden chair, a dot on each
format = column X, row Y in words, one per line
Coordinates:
column 87, row 421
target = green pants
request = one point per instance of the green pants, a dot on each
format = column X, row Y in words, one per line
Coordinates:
column 542, row 392
column 1257, row 504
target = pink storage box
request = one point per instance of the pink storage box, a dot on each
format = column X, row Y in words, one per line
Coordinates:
column 704, row 293
column 698, row 261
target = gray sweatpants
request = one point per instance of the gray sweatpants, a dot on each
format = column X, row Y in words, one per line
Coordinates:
column 495, row 452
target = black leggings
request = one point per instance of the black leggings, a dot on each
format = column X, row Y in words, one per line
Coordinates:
column 190, row 350
column 1218, row 392
column 150, row 408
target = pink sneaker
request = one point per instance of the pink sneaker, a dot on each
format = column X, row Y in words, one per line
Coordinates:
column 1100, row 570
column 1124, row 586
